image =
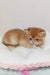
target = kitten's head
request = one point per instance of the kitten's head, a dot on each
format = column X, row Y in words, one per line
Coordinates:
column 35, row 35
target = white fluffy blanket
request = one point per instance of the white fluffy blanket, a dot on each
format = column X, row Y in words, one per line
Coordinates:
column 24, row 56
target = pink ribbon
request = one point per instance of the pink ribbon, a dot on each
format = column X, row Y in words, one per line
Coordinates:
column 23, row 72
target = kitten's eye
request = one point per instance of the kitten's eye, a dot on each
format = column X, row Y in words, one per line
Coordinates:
column 30, row 38
column 36, row 39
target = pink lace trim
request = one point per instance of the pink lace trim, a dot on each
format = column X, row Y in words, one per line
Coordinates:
column 24, row 67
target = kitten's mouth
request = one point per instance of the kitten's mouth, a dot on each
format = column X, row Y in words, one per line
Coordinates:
column 31, row 43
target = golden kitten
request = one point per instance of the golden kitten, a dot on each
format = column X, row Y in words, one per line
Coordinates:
column 16, row 37
column 37, row 36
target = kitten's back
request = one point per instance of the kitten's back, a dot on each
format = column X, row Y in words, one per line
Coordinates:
column 13, row 36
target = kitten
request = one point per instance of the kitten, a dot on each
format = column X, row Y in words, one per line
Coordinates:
column 37, row 36
column 16, row 37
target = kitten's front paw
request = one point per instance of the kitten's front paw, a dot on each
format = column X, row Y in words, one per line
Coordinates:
column 41, row 46
column 29, row 46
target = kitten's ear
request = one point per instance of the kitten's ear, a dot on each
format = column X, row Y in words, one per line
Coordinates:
column 26, row 30
column 43, row 33
column 29, row 29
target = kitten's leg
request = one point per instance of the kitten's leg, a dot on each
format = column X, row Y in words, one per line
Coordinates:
column 40, row 45
column 26, row 44
column 11, row 47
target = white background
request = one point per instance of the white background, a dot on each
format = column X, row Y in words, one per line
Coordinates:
column 24, row 13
